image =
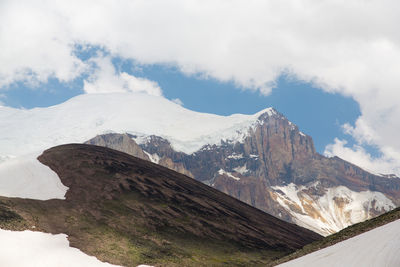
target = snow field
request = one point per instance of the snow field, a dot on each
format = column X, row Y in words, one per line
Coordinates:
column 379, row 247
column 26, row 177
column 36, row 249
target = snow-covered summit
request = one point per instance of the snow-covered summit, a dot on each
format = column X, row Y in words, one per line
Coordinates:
column 84, row 116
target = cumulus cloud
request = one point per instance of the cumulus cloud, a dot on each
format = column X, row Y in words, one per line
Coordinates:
column 35, row 44
column 335, row 44
column 105, row 79
column 350, row 47
column 387, row 163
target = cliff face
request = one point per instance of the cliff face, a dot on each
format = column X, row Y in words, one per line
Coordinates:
column 275, row 168
column 120, row 142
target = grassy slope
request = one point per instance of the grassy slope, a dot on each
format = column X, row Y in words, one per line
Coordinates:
column 128, row 211
column 128, row 244
column 344, row 234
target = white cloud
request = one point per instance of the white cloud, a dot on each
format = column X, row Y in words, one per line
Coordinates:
column 366, row 134
column 35, row 44
column 350, row 47
column 177, row 101
column 388, row 163
column 105, row 79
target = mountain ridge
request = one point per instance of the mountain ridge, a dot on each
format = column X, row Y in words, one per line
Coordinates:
column 84, row 116
column 269, row 164
column 246, row 156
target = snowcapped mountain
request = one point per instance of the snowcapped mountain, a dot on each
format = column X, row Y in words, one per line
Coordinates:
column 86, row 116
column 261, row 159
column 26, row 133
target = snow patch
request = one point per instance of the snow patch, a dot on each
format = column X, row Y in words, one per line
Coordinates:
column 269, row 111
column 241, row 169
column 27, row 248
column 153, row 157
column 292, row 126
column 223, row 172
column 389, row 176
column 291, row 193
column 139, row 138
column 378, row 247
column 235, row 156
column 26, row 177
column 206, row 148
column 253, row 156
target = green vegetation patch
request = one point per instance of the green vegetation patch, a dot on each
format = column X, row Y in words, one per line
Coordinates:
column 9, row 219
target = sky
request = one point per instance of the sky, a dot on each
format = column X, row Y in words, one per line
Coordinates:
column 331, row 67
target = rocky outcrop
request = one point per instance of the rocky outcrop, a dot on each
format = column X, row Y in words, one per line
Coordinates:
column 274, row 155
column 120, row 142
column 125, row 143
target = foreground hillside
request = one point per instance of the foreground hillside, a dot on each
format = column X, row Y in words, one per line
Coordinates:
column 128, row 211
column 375, row 242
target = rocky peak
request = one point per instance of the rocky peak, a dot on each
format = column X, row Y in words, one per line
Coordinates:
column 154, row 144
column 278, row 143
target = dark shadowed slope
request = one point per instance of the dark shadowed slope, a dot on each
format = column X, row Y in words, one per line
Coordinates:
column 127, row 211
